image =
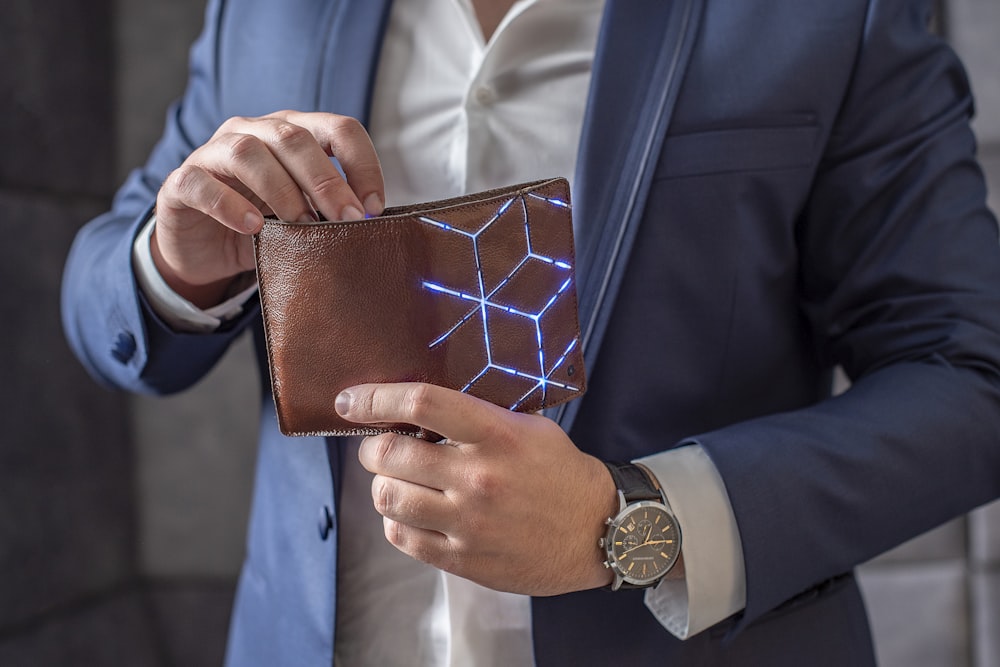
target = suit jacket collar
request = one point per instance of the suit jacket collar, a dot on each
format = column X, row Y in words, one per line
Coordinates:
column 642, row 52
column 350, row 62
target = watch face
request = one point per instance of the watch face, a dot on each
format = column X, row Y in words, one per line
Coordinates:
column 643, row 543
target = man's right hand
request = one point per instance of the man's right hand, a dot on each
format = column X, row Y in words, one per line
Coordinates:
column 277, row 164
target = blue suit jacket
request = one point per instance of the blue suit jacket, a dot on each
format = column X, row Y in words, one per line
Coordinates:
column 765, row 190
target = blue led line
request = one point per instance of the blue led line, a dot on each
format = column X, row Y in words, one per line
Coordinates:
column 483, row 302
column 556, row 202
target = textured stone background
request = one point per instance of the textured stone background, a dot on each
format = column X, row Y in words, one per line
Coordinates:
column 122, row 519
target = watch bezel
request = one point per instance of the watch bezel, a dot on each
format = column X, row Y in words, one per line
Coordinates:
column 608, row 544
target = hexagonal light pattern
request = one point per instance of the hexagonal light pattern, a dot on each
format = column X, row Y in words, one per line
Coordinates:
column 483, row 302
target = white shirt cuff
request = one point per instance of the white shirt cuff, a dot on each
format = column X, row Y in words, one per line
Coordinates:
column 714, row 584
column 179, row 313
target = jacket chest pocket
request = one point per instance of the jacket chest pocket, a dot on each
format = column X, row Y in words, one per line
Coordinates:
column 738, row 149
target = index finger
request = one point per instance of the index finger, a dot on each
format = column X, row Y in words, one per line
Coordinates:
column 451, row 413
column 346, row 139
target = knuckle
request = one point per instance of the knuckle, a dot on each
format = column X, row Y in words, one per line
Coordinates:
column 190, row 186
column 183, row 181
column 383, row 495
column 243, row 147
column 385, row 446
column 328, row 185
column 395, row 535
column 229, row 125
column 290, row 135
column 452, row 558
column 417, row 402
column 477, row 482
column 425, row 552
column 483, row 484
column 286, row 191
column 348, row 124
column 363, row 406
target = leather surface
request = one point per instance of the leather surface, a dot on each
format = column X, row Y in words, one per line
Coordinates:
column 476, row 294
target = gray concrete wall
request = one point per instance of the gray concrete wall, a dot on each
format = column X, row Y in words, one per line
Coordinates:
column 68, row 568
column 77, row 585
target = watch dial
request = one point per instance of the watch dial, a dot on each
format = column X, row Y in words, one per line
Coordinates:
column 645, row 544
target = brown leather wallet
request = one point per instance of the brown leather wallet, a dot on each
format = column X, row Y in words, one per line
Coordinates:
column 476, row 293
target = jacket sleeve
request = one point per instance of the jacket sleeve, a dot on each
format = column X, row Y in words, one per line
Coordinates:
column 107, row 322
column 900, row 277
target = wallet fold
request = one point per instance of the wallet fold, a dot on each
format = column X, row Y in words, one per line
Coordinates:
column 476, row 293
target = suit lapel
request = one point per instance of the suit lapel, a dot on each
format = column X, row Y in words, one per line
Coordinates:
column 350, row 61
column 641, row 56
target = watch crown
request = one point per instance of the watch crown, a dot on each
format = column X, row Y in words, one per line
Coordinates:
column 608, row 521
column 606, row 565
column 600, row 542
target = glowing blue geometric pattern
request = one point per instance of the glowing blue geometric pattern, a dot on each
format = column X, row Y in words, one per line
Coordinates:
column 484, row 303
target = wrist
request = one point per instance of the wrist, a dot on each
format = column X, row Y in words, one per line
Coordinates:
column 204, row 295
column 642, row 542
column 607, row 505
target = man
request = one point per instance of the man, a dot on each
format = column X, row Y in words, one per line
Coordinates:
column 762, row 190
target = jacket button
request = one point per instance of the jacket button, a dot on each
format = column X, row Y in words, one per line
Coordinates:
column 124, row 347
column 325, row 522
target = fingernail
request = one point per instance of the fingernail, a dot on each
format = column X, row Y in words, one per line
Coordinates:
column 252, row 222
column 343, row 403
column 308, row 217
column 351, row 213
column 374, row 204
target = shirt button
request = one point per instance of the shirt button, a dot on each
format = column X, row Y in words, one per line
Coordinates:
column 485, row 95
column 325, row 522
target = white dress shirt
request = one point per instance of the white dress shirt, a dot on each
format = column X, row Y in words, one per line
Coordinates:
column 454, row 114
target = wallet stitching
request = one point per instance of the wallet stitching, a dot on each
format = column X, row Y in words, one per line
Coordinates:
column 453, row 204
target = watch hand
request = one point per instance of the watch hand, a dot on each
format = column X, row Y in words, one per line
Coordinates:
column 644, row 544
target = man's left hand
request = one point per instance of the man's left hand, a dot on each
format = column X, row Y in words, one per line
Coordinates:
column 506, row 500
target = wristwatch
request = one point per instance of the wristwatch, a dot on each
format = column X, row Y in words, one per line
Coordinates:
column 642, row 545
